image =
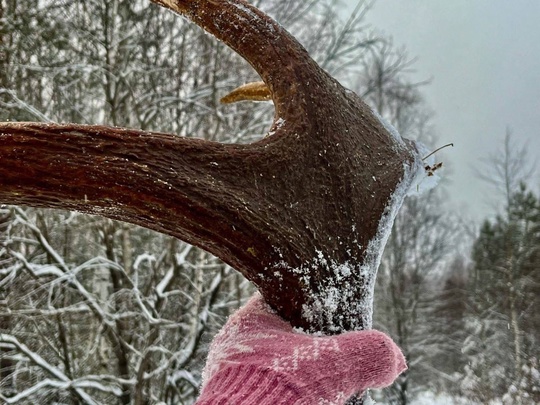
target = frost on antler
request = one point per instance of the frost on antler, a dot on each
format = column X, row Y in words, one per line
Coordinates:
column 303, row 213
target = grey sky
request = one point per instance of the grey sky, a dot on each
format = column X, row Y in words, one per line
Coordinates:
column 484, row 59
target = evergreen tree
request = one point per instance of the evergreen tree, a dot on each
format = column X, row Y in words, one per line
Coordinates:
column 504, row 300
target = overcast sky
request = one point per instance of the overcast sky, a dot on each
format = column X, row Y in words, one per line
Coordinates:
column 484, row 60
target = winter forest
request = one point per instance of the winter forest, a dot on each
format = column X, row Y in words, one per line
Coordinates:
column 94, row 311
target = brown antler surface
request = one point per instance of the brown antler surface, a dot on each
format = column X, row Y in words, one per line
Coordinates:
column 300, row 213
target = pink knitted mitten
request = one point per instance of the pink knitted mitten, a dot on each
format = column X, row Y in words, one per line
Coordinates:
column 257, row 359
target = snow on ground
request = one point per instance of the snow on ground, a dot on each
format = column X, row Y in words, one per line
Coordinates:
column 430, row 398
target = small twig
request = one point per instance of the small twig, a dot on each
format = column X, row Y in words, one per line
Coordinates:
column 436, row 150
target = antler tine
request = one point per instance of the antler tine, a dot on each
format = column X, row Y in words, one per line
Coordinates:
column 276, row 55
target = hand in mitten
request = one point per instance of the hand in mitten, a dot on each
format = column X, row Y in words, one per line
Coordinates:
column 257, row 359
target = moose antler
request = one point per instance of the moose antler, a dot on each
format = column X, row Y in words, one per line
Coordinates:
column 303, row 213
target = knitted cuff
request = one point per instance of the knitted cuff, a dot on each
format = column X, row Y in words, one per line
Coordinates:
column 249, row 385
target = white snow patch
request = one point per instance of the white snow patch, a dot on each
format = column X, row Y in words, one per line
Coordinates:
column 376, row 245
column 277, row 125
column 431, row 398
column 368, row 400
column 390, row 128
column 326, row 307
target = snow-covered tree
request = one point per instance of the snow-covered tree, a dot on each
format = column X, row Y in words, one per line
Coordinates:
column 504, row 282
column 504, row 298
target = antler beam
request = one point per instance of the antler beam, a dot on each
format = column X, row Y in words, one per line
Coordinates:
column 299, row 213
